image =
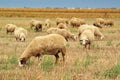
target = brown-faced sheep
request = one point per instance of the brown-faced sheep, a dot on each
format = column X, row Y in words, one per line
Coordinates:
column 20, row 34
column 51, row 44
column 86, row 34
column 65, row 33
column 38, row 25
column 10, row 28
column 76, row 22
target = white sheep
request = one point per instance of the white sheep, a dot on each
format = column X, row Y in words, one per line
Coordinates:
column 48, row 23
column 38, row 25
column 76, row 22
column 10, row 28
column 51, row 44
column 20, row 34
column 109, row 23
column 65, row 33
column 61, row 20
column 86, row 37
column 87, row 33
column 62, row 26
column 100, row 20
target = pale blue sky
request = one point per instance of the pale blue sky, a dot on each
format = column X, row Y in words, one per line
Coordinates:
column 61, row 3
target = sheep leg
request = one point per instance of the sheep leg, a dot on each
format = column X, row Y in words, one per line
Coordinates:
column 63, row 54
column 89, row 45
column 57, row 57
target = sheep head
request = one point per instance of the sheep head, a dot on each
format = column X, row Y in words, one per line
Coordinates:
column 74, row 37
column 22, row 62
column 22, row 37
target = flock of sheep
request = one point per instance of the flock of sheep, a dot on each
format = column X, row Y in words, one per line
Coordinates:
column 55, row 41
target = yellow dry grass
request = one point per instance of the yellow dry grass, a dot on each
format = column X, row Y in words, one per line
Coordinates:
column 60, row 12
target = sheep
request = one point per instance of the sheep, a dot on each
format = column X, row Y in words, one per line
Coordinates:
column 51, row 44
column 20, row 34
column 97, row 24
column 62, row 26
column 65, row 33
column 86, row 37
column 76, row 22
column 61, row 20
column 38, row 25
column 108, row 23
column 10, row 28
column 86, row 34
column 48, row 23
column 94, row 29
column 100, row 20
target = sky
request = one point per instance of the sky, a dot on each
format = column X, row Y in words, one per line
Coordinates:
column 60, row 3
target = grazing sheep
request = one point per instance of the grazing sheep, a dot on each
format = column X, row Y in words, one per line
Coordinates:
column 48, row 23
column 86, row 34
column 62, row 26
column 108, row 23
column 10, row 28
column 65, row 33
column 20, row 34
column 97, row 24
column 86, row 37
column 51, row 44
column 94, row 29
column 76, row 22
column 100, row 20
column 38, row 25
column 61, row 20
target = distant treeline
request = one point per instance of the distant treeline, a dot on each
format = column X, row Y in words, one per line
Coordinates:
column 60, row 12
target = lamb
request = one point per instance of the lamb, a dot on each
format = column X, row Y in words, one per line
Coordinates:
column 87, row 33
column 20, row 34
column 38, row 25
column 65, row 33
column 10, row 28
column 51, row 44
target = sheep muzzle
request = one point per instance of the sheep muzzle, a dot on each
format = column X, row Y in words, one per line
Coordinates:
column 22, row 62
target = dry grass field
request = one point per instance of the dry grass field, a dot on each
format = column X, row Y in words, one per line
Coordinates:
column 101, row 62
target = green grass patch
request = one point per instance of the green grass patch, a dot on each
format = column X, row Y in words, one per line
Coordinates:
column 47, row 63
column 114, row 71
column 67, row 76
column 87, row 61
column 117, row 45
column 77, row 64
column 68, row 44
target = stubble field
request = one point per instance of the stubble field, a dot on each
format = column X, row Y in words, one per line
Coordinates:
column 101, row 62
